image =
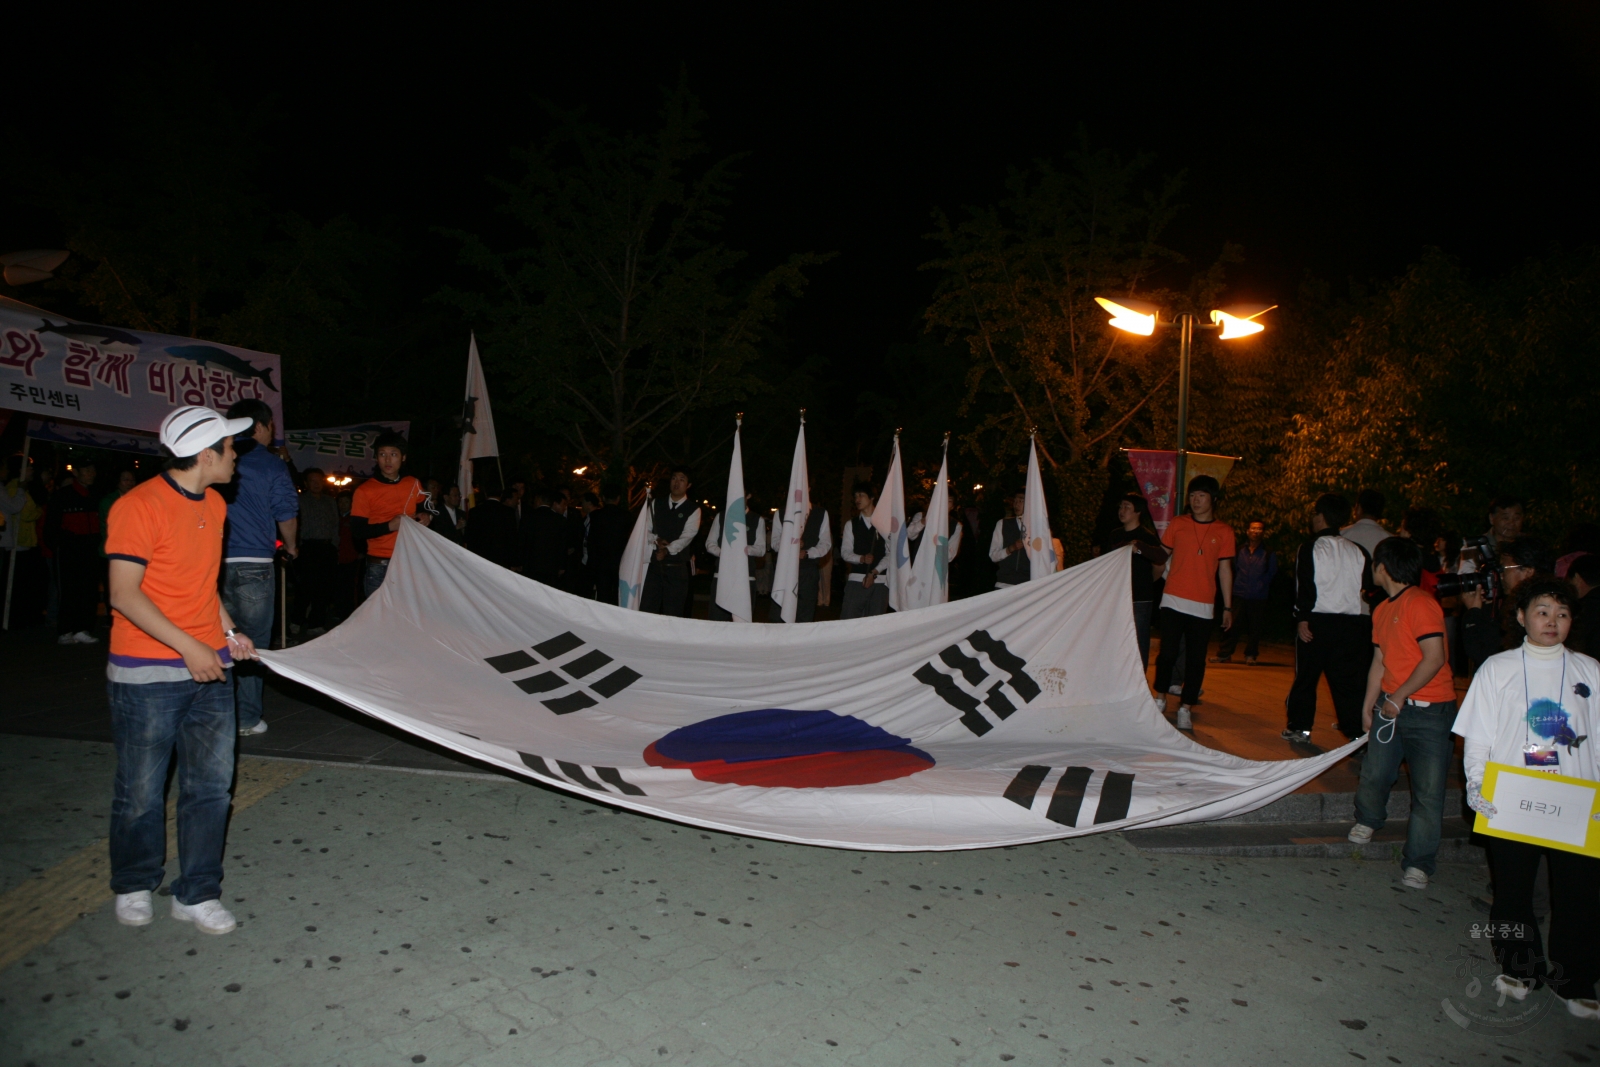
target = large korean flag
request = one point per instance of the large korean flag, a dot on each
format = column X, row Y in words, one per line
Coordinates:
column 1021, row 715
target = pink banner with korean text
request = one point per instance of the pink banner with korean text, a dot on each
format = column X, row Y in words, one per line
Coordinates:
column 55, row 367
column 1156, row 471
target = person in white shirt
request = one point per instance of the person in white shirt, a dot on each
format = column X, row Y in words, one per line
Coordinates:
column 816, row 542
column 866, row 592
column 1535, row 707
column 1008, row 546
column 673, row 522
column 1366, row 530
column 755, row 547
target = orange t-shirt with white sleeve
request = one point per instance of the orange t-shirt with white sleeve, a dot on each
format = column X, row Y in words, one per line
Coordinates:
column 1399, row 626
column 177, row 537
column 380, row 502
column 1197, row 548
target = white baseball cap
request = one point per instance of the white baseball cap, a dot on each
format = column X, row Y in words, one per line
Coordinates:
column 190, row 430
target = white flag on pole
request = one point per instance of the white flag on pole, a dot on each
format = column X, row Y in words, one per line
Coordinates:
column 733, row 572
column 930, row 574
column 635, row 560
column 796, row 510
column 1036, row 522
column 889, row 519
column 477, row 440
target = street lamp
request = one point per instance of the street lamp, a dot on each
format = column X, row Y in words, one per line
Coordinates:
column 1139, row 317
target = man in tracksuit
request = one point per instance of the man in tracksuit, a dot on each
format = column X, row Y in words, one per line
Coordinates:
column 674, row 521
column 1333, row 630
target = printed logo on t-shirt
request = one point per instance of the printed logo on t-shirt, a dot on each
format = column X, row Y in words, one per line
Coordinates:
column 1550, row 721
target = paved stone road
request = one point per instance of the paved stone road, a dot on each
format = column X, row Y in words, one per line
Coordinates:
column 390, row 917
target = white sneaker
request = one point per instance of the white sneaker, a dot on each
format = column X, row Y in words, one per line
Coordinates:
column 1185, row 718
column 259, row 728
column 133, row 909
column 1414, row 878
column 84, row 637
column 1360, row 834
column 1161, row 705
column 208, row 916
column 1584, row 1008
column 67, row 639
column 1507, row 986
column 1175, row 690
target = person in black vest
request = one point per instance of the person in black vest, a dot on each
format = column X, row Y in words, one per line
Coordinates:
column 866, row 591
column 674, row 522
column 755, row 540
column 605, row 542
column 816, row 541
column 544, row 538
column 1008, row 547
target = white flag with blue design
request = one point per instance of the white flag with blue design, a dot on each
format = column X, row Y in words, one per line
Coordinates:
column 733, row 572
column 635, row 560
column 889, row 519
column 930, row 573
column 796, row 510
column 1036, row 522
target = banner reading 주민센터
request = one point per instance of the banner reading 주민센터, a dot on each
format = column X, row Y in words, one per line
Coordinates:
column 55, row 367
column 1020, row 715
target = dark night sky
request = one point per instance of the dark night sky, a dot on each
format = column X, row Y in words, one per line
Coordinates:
column 1340, row 145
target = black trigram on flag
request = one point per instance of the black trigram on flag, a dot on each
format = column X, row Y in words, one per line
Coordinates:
column 577, row 774
column 575, row 679
column 1071, row 789
column 977, row 673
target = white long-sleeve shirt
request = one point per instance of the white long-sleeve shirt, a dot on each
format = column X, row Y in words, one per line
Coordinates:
column 848, row 553
column 824, row 543
column 758, row 547
column 1493, row 719
column 691, row 527
column 997, row 545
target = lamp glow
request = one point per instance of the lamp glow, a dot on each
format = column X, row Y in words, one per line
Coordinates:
column 1134, row 316
column 579, row 470
column 1239, row 320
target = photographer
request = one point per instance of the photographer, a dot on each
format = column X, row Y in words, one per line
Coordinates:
column 1489, row 624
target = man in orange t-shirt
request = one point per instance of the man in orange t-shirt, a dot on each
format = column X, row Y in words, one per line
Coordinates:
column 381, row 504
column 1414, row 696
column 1200, row 563
column 172, row 643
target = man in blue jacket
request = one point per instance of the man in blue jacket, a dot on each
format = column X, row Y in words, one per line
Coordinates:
column 1253, row 570
column 264, row 508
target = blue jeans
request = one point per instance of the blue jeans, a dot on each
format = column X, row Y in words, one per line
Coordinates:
column 149, row 722
column 373, row 574
column 1422, row 738
column 247, row 592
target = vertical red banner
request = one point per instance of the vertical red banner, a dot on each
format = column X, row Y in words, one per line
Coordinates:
column 1156, row 471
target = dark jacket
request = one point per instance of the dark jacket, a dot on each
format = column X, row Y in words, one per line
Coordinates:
column 492, row 532
column 445, row 526
column 1490, row 629
column 1585, row 634
column 609, row 527
column 1253, row 571
column 545, row 534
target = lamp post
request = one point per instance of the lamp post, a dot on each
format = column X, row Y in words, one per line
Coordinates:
column 1137, row 316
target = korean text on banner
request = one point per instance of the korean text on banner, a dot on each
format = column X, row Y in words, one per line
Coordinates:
column 53, row 366
column 343, row 450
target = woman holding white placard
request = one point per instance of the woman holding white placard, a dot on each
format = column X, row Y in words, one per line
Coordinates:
column 1535, row 707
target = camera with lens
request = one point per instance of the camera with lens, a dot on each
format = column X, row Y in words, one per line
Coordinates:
column 1486, row 578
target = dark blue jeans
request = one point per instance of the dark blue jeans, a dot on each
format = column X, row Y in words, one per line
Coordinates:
column 149, row 723
column 1422, row 739
column 247, row 593
column 373, row 574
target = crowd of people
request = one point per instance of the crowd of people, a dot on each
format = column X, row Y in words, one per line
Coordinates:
column 187, row 564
